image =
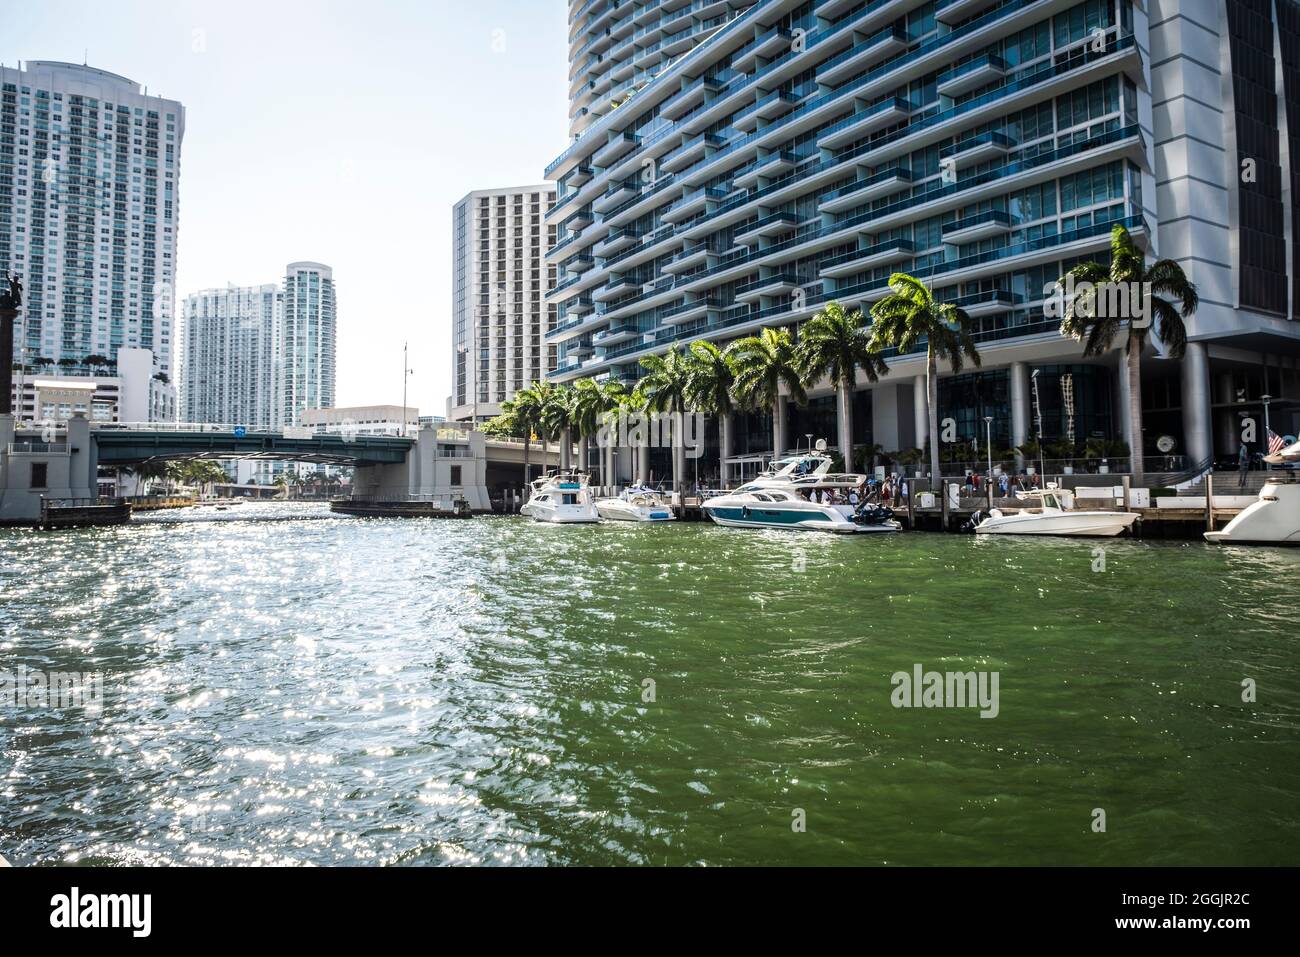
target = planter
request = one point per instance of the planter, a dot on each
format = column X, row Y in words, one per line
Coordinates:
column 1030, row 470
column 1068, row 469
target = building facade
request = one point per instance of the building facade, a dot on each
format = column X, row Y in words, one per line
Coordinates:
column 736, row 165
column 126, row 388
column 364, row 420
column 230, row 356
column 89, row 202
column 500, row 281
column 310, row 340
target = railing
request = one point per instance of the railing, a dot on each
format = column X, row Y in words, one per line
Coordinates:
column 37, row 448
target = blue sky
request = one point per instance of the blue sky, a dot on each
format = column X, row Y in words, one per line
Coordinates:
column 340, row 132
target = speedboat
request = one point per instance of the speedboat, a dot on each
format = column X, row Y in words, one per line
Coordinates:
column 785, row 497
column 779, row 508
column 561, row 498
column 636, row 504
column 1054, row 514
column 1274, row 517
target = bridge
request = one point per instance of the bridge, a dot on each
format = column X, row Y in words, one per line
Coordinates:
column 442, row 462
column 127, row 444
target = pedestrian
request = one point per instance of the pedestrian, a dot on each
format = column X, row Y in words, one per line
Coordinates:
column 1243, row 464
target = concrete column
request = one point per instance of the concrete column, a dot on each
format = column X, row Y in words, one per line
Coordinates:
column 724, row 448
column 1196, row 403
column 1019, row 397
column 1226, row 428
column 920, row 411
column 1121, row 401
column 886, row 426
column 82, row 481
column 643, row 462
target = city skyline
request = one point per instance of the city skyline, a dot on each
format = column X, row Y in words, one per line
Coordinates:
column 355, row 168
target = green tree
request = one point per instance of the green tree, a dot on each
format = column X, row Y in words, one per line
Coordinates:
column 711, row 377
column 665, row 391
column 559, row 413
column 1097, row 328
column 762, row 364
column 835, row 344
column 910, row 314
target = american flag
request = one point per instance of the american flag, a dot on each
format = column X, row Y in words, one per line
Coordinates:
column 1275, row 442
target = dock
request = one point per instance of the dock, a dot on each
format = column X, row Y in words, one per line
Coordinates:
column 83, row 513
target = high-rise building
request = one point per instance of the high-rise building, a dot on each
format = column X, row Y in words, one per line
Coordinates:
column 89, row 180
column 309, row 339
column 737, row 165
column 230, row 368
column 499, row 284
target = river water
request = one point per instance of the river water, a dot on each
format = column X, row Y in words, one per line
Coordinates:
column 327, row 690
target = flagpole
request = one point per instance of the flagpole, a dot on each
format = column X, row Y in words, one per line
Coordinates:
column 1268, row 432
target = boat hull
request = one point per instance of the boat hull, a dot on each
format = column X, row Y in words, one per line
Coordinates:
column 1273, row 519
column 809, row 520
column 1067, row 524
column 613, row 510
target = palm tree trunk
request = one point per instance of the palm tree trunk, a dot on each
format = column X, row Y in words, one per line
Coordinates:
column 1134, row 360
column 724, row 447
column 778, row 427
column 932, row 403
column 845, row 390
column 679, row 461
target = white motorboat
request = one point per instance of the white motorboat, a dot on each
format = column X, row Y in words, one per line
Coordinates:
column 1273, row 518
column 781, row 508
column 786, row 496
column 561, row 498
column 636, row 504
column 1055, row 514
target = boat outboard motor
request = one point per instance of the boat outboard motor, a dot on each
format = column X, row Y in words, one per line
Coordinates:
column 973, row 522
column 868, row 514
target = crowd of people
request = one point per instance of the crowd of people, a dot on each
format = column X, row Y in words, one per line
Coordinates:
column 893, row 491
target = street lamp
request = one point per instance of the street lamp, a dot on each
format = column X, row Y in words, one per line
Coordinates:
column 988, row 441
column 405, row 372
column 1266, row 399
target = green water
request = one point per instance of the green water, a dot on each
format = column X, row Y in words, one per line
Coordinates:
column 341, row 690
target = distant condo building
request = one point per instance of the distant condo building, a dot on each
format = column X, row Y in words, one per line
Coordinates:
column 737, row 165
column 309, row 340
column 364, row 420
column 89, row 180
column 260, row 356
column 500, row 280
column 230, row 362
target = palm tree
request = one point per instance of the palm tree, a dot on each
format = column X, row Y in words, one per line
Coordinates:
column 608, row 397
column 588, row 406
column 762, row 363
column 665, row 390
column 526, row 411
column 836, row 344
column 911, row 313
column 559, row 414
column 1128, row 271
column 710, row 380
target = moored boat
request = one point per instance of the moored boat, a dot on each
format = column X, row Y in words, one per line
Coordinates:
column 636, row 504
column 561, row 498
column 1054, row 515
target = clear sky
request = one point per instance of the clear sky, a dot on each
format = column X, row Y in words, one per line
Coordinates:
column 340, row 132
